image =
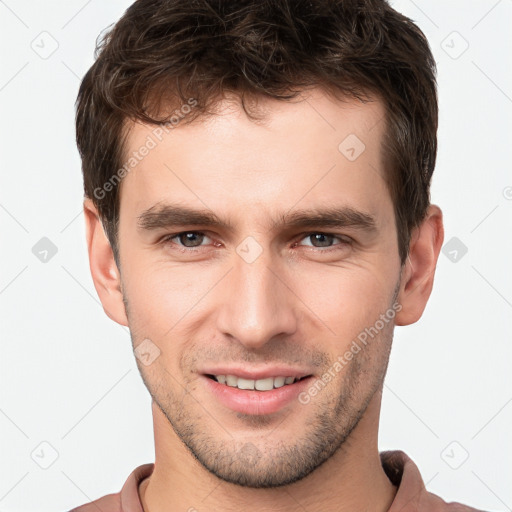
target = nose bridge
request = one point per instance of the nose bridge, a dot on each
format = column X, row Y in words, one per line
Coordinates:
column 256, row 305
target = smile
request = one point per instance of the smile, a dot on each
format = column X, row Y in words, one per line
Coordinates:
column 266, row 384
column 265, row 395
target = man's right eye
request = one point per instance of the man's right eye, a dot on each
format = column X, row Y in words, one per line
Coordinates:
column 187, row 239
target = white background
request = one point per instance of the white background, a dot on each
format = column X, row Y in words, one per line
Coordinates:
column 68, row 376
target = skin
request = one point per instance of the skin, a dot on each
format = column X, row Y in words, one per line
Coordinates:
column 301, row 302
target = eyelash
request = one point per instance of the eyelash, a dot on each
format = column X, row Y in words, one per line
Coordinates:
column 344, row 241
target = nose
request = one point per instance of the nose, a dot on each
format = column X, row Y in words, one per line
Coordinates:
column 256, row 303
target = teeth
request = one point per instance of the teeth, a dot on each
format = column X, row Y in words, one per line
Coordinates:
column 279, row 382
column 260, row 384
column 245, row 383
column 264, row 384
column 231, row 380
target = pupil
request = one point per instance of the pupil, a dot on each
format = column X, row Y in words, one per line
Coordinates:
column 323, row 239
column 190, row 237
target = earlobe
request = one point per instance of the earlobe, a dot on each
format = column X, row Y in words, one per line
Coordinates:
column 104, row 270
column 418, row 272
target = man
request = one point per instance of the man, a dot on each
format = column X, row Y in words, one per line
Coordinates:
column 257, row 208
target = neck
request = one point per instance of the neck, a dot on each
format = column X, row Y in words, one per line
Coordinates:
column 352, row 479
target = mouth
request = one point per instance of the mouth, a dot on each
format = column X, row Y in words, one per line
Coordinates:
column 266, row 384
column 257, row 396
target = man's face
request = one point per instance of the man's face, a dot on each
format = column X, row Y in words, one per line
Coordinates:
column 258, row 295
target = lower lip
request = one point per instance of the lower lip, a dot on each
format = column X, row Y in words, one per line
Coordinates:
column 256, row 402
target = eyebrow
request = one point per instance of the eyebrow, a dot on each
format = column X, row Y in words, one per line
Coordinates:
column 168, row 216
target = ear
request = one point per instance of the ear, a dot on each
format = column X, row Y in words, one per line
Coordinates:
column 417, row 276
column 104, row 271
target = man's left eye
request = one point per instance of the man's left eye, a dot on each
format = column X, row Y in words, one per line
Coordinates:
column 324, row 240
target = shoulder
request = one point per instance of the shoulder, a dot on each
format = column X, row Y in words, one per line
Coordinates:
column 435, row 503
column 108, row 503
column 127, row 499
column 439, row 505
column 411, row 492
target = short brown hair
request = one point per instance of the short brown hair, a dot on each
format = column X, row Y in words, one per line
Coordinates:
column 162, row 53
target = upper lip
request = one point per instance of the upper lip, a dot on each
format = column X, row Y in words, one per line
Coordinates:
column 256, row 374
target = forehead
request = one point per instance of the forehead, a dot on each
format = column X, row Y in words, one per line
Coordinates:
column 314, row 150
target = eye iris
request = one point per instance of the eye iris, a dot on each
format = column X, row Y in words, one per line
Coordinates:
column 324, row 240
column 194, row 238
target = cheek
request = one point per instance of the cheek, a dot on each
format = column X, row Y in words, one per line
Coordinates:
column 163, row 298
column 347, row 300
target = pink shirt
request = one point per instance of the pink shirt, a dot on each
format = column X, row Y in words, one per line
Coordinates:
column 400, row 469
